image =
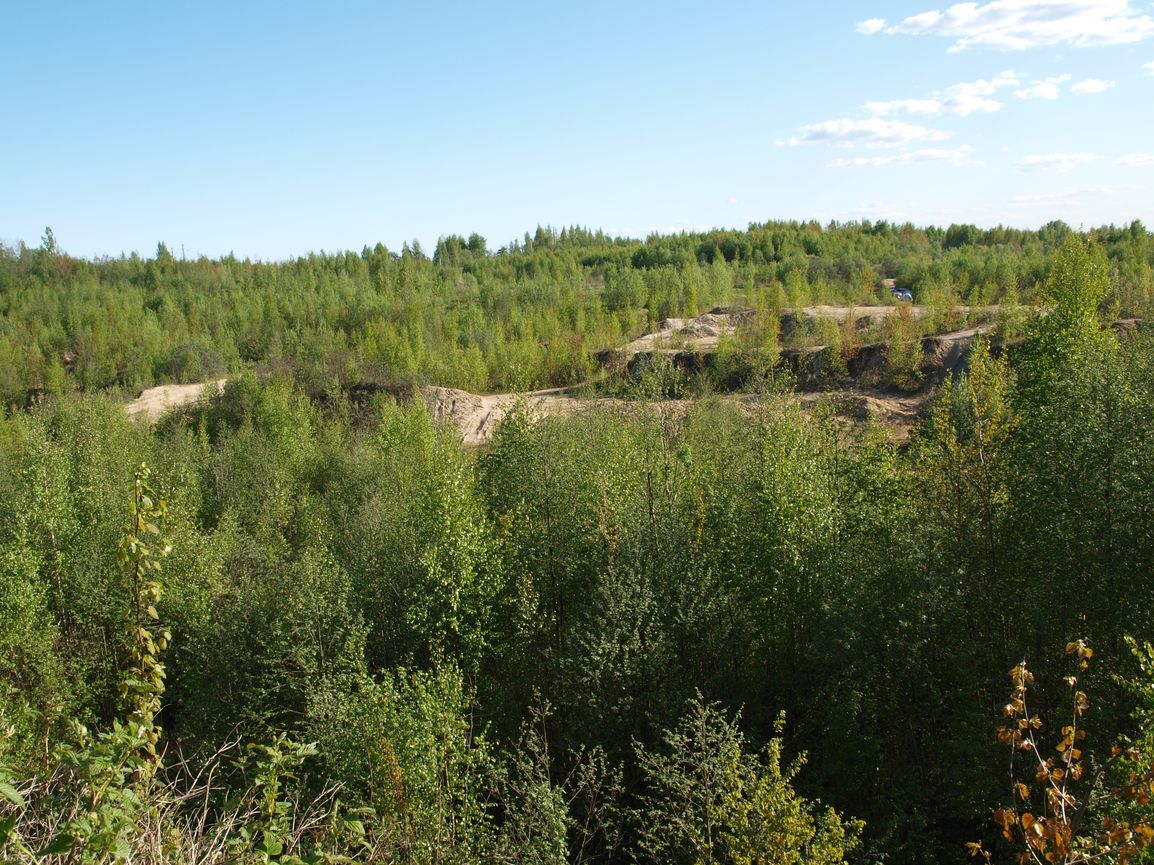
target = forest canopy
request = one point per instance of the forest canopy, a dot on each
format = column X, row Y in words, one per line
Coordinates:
column 530, row 314
column 730, row 633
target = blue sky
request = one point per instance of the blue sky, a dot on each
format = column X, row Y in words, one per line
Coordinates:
column 274, row 129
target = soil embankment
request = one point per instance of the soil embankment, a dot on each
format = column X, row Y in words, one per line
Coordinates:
column 155, row 401
column 477, row 416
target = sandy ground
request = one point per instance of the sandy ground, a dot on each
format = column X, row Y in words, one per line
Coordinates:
column 155, row 401
column 477, row 416
column 841, row 313
column 705, row 332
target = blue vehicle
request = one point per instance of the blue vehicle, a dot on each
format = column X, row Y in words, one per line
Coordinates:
column 901, row 294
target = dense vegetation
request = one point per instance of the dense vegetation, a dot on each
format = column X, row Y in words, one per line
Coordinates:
column 602, row 638
column 530, row 314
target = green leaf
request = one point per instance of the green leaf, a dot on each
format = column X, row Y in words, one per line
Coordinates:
column 272, row 843
column 10, row 793
column 62, row 843
column 6, row 827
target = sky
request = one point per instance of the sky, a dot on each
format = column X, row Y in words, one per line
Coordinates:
column 271, row 130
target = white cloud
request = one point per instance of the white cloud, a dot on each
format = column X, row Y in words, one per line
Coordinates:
column 1149, row 67
column 958, row 158
column 1092, row 85
column 924, row 107
column 872, row 132
column 1060, row 162
column 935, row 106
column 1046, row 89
column 1082, row 195
column 968, row 97
column 1017, row 25
column 1136, row 159
column 870, row 26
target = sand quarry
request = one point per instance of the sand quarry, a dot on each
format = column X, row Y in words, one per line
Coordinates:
column 477, row 416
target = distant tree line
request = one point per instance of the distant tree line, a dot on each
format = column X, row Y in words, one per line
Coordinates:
column 532, row 313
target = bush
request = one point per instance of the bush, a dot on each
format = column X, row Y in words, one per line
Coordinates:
column 710, row 800
column 193, row 362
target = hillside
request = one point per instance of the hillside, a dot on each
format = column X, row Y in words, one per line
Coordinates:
column 856, row 394
column 308, row 614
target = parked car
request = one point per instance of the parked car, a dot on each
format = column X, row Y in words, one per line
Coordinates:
column 902, row 294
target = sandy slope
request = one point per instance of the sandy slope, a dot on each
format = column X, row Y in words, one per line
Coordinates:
column 841, row 313
column 477, row 416
column 704, row 332
column 155, row 401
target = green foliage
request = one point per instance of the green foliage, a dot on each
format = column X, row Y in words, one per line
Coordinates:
column 656, row 376
column 405, row 745
column 105, row 771
column 346, row 574
column 1072, row 332
column 450, row 603
column 32, row 681
column 11, row 804
column 549, row 816
column 533, row 311
column 708, row 799
column 192, row 362
column 139, row 552
column 268, row 772
column 903, row 349
column 113, row 771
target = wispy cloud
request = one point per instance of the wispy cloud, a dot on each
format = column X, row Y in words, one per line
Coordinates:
column 1017, row 25
column 930, row 107
column 871, row 132
column 1136, row 159
column 1149, row 67
column 1081, row 195
column 1049, row 88
column 968, row 97
column 1059, row 162
column 870, row 26
column 959, row 157
column 1092, row 85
